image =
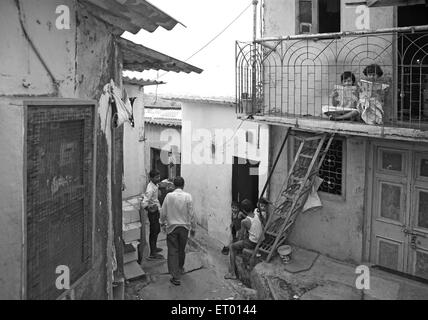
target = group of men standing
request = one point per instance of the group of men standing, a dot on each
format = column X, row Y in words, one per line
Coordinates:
column 176, row 217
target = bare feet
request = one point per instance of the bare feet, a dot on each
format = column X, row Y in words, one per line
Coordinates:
column 230, row 276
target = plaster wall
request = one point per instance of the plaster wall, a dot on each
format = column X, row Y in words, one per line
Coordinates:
column 207, row 170
column 336, row 229
column 24, row 74
column 11, row 199
column 133, row 147
column 82, row 60
column 279, row 18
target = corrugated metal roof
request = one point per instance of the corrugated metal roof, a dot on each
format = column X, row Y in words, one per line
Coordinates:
column 137, row 57
column 141, row 82
column 131, row 15
column 168, row 123
column 168, row 117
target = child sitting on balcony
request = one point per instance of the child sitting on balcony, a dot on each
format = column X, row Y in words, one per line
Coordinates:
column 344, row 99
column 372, row 95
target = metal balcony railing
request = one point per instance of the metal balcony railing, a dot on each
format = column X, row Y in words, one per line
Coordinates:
column 300, row 76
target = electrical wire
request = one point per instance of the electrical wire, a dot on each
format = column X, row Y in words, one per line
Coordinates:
column 215, row 37
column 233, row 136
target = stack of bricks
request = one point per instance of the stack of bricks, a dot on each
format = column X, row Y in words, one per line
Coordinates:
column 132, row 237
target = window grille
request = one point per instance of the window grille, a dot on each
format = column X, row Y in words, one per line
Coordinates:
column 60, row 143
column 331, row 170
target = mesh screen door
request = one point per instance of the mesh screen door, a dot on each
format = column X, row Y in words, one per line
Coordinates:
column 59, row 195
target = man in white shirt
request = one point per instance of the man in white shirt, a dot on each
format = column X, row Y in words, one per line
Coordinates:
column 250, row 233
column 152, row 205
column 178, row 218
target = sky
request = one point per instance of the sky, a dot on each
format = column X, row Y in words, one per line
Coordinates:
column 203, row 20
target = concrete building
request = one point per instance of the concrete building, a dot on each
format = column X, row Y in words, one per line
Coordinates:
column 375, row 187
column 223, row 159
column 144, row 149
column 61, row 199
column 134, row 166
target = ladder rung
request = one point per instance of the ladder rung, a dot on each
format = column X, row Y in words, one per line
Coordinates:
column 306, row 156
column 269, row 233
column 264, row 250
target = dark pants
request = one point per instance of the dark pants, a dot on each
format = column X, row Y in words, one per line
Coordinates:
column 176, row 242
column 236, row 248
column 154, row 230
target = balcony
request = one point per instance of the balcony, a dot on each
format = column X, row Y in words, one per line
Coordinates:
column 295, row 81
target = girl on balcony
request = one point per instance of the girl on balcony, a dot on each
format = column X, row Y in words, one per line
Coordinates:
column 344, row 99
column 372, row 95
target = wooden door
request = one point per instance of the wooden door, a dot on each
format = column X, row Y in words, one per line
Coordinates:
column 418, row 228
column 399, row 239
column 390, row 208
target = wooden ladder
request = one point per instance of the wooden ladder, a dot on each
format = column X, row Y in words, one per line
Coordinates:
column 295, row 191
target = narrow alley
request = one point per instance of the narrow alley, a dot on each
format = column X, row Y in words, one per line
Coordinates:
column 203, row 278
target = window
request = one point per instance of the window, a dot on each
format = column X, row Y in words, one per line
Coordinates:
column 331, row 170
column 319, row 16
column 168, row 163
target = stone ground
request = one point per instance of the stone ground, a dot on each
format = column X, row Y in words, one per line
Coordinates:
column 309, row 276
column 205, row 267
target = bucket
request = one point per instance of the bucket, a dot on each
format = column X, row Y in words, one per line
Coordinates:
column 284, row 252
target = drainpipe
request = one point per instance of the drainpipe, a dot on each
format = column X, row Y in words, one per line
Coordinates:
column 254, row 73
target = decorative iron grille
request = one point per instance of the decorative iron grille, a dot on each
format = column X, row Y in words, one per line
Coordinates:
column 59, row 195
column 295, row 76
column 331, row 170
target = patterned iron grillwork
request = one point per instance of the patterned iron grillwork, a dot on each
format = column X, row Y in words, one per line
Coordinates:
column 331, row 170
column 294, row 77
column 59, row 195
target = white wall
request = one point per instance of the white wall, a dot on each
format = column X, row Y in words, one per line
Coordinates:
column 211, row 184
column 81, row 60
column 24, row 73
column 133, row 148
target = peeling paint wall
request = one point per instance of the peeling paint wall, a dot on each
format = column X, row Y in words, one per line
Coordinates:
column 281, row 17
column 24, row 74
column 211, row 184
column 336, row 229
column 82, row 60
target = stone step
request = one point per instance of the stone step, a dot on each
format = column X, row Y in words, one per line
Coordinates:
column 130, row 215
column 133, row 270
column 131, row 255
column 131, row 232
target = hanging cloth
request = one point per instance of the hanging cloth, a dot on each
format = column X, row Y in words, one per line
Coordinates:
column 121, row 106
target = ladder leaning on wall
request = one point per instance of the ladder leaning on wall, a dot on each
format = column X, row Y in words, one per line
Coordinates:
column 294, row 192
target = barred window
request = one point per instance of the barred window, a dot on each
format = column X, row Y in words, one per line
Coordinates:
column 331, row 170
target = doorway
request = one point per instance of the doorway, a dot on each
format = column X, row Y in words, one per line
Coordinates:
column 166, row 162
column 399, row 222
column 245, row 180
